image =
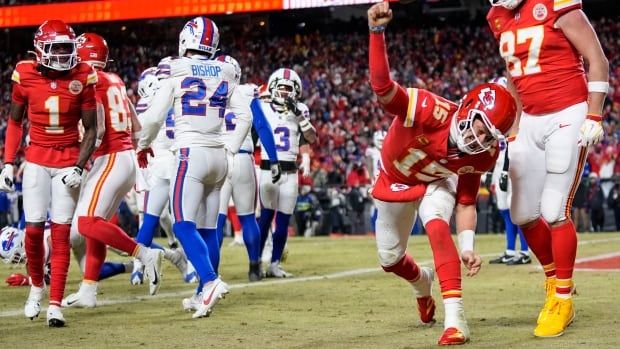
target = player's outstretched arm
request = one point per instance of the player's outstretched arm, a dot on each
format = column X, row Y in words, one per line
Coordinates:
column 466, row 219
column 12, row 142
column 240, row 106
column 262, row 127
column 136, row 127
column 89, row 121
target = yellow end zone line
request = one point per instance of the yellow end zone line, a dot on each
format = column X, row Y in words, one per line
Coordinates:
column 337, row 275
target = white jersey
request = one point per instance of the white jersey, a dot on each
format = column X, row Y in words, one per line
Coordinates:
column 286, row 131
column 200, row 90
column 230, row 121
column 164, row 140
column 374, row 155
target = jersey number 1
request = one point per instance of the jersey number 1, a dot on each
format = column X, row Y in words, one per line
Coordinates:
column 52, row 104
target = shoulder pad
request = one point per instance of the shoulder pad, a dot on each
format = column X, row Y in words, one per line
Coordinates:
column 164, row 68
column 563, row 6
column 235, row 69
column 22, row 68
column 84, row 71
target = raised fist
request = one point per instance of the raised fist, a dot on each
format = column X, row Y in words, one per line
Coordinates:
column 379, row 14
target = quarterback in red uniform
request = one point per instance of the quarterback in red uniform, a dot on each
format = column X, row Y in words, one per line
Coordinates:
column 109, row 180
column 432, row 158
column 57, row 92
column 544, row 43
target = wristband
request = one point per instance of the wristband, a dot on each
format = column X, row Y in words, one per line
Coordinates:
column 376, row 29
column 305, row 125
column 598, row 86
column 594, row 117
column 466, row 240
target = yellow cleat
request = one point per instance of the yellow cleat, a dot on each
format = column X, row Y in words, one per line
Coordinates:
column 550, row 290
column 559, row 316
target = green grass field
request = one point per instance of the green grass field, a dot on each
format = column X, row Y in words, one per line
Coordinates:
column 338, row 299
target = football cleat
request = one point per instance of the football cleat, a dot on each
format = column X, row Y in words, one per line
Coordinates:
column 137, row 275
column 426, row 309
column 520, row 258
column 212, row 292
column 237, row 241
column 152, row 269
column 456, row 330
column 55, row 317
column 422, row 291
column 177, row 258
column 32, row 308
column 550, row 293
column 275, row 271
column 453, row 336
column 192, row 303
column 85, row 297
column 503, row 259
column 255, row 273
column 560, row 315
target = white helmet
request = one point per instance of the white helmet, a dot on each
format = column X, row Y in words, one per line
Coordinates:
column 501, row 80
column 284, row 77
column 509, row 4
column 12, row 245
column 378, row 137
column 200, row 34
column 148, row 83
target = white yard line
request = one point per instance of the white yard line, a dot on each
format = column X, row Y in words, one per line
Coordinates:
column 338, row 275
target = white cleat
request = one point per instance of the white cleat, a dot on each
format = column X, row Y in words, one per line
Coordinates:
column 137, row 275
column 237, row 241
column 85, row 297
column 152, row 268
column 55, row 317
column 274, row 270
column 422, row 287
column 211, row 294
column 177, row 258
column 192, row 303
column 456, row 330
column 191, row 276
column 32, row 308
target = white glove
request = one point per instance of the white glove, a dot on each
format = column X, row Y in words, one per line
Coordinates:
column 73, row 177
column 6, row 178
column 305, row 164
column 230, row 160
column 591, row 132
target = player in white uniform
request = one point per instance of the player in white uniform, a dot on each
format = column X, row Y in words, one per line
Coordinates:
column 373, row 163
column 242, row 184
column 157, row 177
column 289, row 121
column 200, row 88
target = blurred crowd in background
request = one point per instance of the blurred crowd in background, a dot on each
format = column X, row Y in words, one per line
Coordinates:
column 446, row 59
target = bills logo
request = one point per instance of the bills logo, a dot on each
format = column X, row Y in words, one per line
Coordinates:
column 396, row 187
column 487, row 97
column 191, row 26
column 8, row 244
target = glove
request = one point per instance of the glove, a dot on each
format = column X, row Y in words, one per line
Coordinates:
column 230, row 160
column 73, row 177
column 18, row 279
column 143, row 157
column 590, row 133
column 503, row 181
column 291, row 105
column 6, row 178
column 276, row 172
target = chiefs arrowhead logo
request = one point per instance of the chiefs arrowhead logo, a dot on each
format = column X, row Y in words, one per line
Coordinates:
column 395, row 187
column 487, row 97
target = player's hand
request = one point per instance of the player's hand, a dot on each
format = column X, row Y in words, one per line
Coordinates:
column 73, row 177
column 18, row 279
column 379, row 14
column 472, row 262
column 276, row 173
column 291, row 105
column 143, row 157
column 591, row 133
column 230, row 161
column 6, row 178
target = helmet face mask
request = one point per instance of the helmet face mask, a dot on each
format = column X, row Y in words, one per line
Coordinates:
column 55, row 46
column 507, row 4
column 284, row 83
column 475, row 134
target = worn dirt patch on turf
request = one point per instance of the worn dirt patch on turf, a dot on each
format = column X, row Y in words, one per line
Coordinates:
column 605, row 262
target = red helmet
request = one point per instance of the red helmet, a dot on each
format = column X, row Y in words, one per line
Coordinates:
column 93, row 49
column 55, row 46
column 494, row 105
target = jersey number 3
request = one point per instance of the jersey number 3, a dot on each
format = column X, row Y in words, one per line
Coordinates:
column 508, row 44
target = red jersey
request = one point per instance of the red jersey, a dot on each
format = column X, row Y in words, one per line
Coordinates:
column 112, row 95
column 54, row 109
column 416, row 151
column 545, row 67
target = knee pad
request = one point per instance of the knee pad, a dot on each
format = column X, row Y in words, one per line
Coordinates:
column 387, row 258
column 551, row 205
column 438, row 205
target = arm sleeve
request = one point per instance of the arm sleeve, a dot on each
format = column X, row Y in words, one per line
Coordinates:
column 240, row 106
column 262, row 127
column 380, row 79
column 12, row 141
column 156, row 114
column 467, row 188
column 18, row 95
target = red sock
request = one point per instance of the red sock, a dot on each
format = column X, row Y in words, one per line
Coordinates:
column 406, row 268
column 60, row 258
column 446, row 257
column 95, row 257
column 538, row 237
column 564, row 243
column 105, row 232
column 35, row 251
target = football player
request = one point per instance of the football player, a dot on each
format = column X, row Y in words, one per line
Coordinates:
column 242, row 185
column 288, row 118
column 200, row 88
column 373, row 163
column 432, row 158
column 107, row 182
column 56, row 91
column 544, row 44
